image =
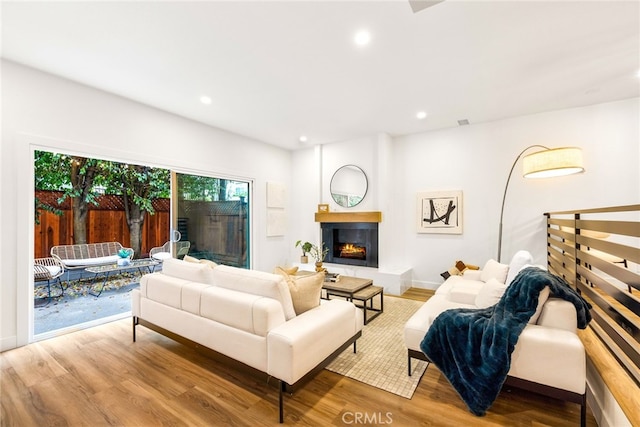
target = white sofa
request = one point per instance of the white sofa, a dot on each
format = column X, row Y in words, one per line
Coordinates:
column 246, row 315
column 549, row 357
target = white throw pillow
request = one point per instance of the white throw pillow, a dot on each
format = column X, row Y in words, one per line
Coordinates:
column 518, row 262
column 494, row 270
column 490, row 293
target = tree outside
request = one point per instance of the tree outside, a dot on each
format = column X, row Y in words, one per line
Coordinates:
column 83, row 179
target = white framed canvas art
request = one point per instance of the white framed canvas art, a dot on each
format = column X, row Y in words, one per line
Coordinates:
column 439, row 212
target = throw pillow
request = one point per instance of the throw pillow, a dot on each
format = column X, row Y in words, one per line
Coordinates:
column 305, row 290
column 494, row 270
column 518, row 262
column 542, row 298
column 490, row 293
column 288, row 270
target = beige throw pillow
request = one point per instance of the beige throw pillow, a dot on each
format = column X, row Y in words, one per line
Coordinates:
column 305, row 290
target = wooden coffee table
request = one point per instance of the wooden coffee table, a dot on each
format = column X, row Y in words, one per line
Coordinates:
column 357, row 289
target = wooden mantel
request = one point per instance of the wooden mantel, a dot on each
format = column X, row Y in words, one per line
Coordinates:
column 349, row 216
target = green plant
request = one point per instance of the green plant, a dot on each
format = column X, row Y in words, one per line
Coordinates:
column 319, row 253
column 306, row 247
column 123, row 253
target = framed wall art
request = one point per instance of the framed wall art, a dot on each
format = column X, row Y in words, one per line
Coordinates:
column 439, row 212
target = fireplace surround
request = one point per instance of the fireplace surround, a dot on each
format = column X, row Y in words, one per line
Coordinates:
column 351, row 243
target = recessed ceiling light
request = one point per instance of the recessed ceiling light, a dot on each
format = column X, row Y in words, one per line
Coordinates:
column 303, row 138
column 205, row 100
column 362, row 37
column 421, row 115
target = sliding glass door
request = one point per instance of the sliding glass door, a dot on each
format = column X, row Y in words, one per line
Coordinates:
column 212, row 214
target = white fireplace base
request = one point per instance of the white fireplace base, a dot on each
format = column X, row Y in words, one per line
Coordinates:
column 394, row 280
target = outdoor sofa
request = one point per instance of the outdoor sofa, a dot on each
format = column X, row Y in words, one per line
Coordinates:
column 88, row 254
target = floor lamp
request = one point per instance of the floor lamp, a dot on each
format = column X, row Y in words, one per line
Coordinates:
column 549, row 162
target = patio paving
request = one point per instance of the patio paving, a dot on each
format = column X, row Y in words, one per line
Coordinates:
column 77, row 306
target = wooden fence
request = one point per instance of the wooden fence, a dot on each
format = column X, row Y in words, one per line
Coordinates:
column 106, row 222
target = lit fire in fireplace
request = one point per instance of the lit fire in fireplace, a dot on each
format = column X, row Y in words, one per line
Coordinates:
column 349, row 250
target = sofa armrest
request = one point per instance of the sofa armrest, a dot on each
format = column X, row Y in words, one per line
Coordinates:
column 559, row 314
column 135, row 302
column 550, row 356
column 300, row 344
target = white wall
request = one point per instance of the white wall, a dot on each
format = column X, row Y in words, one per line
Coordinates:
column 46, row 112
column 476, row 159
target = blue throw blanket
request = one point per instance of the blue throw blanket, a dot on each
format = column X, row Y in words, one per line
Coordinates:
column 472, row 347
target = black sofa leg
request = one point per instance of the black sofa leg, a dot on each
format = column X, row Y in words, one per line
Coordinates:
column 281, row 387
column 583, row 411
column 135, row 322
column 409, row 364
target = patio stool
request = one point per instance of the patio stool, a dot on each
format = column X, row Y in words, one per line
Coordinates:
column 49, row 269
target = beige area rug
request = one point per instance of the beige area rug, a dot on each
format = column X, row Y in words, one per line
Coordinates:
column 381, row 358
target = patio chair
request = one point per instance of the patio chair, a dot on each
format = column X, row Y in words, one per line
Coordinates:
column 160, row 253
column 49, row 269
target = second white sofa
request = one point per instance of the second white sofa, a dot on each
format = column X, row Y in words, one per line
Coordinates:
column 549, row 357
column 246, row 315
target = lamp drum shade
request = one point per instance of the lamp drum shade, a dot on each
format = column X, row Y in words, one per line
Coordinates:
column 553, row 162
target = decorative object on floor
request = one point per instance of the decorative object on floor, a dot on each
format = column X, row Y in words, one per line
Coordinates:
column 381, row 360
column 550, row 162
column 472, row 347
column 439, row 212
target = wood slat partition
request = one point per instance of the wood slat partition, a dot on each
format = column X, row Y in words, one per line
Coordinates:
column 598, row 252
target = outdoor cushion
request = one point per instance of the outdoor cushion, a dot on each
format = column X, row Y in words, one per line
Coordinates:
column 91, row 261
column 161, row 256
column 53, row 269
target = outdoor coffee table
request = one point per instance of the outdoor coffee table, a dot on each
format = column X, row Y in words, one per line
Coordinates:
column 356, row 289
column 138, row 264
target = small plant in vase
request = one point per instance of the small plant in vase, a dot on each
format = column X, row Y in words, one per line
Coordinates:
column 306, row 247
column 319, row 253
column 123, row 259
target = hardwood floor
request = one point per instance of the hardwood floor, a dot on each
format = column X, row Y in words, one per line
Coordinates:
column 99, row 377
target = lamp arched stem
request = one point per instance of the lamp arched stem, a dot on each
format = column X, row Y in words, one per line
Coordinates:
column 504, row 196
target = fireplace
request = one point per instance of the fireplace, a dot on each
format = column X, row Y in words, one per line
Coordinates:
column 351, row 243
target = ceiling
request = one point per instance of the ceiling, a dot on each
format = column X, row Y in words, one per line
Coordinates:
column 277, row 70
